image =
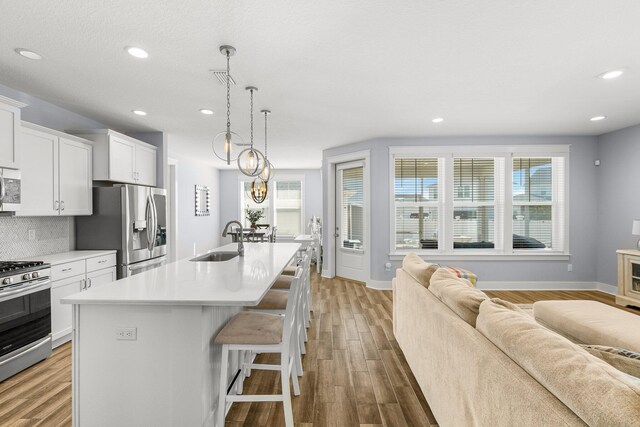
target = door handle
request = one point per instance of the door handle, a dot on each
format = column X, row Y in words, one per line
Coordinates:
column 84, row 285
column 3, row 188
column 62, row 205
column 56, row 206
column 88, row 283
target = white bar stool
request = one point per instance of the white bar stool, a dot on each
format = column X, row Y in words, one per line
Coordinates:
column 262, row 333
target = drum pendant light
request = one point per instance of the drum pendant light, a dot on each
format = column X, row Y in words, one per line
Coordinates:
column 223, row 143
column 251, row 160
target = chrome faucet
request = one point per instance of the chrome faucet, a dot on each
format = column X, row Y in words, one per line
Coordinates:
column 240, row 237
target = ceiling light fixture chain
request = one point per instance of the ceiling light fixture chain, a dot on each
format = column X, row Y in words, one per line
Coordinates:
column 251, row 161
column 228, row 94
column 268, row 166
column 224, row 143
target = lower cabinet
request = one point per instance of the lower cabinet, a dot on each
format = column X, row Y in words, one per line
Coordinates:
column 61, row 313
column 87, row 274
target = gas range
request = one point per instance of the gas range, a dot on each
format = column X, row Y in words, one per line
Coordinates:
column 14, row 273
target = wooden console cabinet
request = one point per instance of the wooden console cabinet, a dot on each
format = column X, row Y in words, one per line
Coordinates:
column 628, row 277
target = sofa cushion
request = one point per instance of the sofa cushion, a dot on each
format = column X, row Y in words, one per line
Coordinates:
column 598, row 393
column 590, row 322
column 621, row 359
column 457, row 294
column 418, row 268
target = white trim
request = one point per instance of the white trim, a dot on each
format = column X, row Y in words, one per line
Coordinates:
column 609, row 289
column 329, row 171
column 383, row 285
column 489, row 150
column 486, row 256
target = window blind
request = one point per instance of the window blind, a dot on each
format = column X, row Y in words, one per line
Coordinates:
column 288, row 207
column 416, row 195
column 533, row 210
column 474, row 213
column 352, row 230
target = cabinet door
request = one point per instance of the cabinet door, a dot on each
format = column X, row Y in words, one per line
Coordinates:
column 122, row 160
column 9, row 137
column 61, row 322
column 101, row 277
column 146, row 165
column 76, row 178
column 39, row 169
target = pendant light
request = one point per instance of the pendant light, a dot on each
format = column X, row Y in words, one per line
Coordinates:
column 224, row 142
column 259, row 190
column 250, row 160
column 268, row 167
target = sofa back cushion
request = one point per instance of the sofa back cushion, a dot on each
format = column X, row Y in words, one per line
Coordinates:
column 418, row 268
column 457, row 294
column 598, row 393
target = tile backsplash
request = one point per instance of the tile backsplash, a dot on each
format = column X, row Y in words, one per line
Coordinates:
column 52, row 235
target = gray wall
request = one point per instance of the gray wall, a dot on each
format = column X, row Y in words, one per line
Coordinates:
column 53, row 234
column 197, row 234
column 583, row 208
column 230, row 195
column 618, row 198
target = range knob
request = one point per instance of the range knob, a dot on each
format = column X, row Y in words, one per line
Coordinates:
column 35, row 275
column 26, row 276
column 7, row 281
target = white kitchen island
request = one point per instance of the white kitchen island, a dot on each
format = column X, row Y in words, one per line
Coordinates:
column 169, row 374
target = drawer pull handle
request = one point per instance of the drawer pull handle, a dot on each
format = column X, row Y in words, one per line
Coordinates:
column 67, row 269
column 103, row 261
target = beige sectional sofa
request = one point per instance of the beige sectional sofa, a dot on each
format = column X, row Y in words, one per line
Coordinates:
column 483, row 362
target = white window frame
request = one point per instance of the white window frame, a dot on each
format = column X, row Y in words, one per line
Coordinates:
column 503, row 201
column 271, row 197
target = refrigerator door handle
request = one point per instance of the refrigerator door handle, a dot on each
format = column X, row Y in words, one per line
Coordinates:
column 155, row 221
column 149, row 219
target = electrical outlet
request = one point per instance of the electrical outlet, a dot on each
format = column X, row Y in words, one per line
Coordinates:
column 569, row 268
column 32, row 234
column 387, row 266
column 127, row 334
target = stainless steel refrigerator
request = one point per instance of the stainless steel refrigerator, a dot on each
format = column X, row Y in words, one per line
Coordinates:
column 131, row 219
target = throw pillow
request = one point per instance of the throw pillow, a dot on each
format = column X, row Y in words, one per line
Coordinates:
column 417, row 268
column 621, row 359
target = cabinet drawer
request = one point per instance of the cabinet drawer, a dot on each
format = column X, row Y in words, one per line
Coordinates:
column 68, row 269
column 100, row 262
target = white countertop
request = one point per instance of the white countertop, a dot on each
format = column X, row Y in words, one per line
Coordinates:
column 61, row 258
column 241, row 281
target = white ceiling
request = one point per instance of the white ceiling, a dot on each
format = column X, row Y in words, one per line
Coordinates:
column 332, row 72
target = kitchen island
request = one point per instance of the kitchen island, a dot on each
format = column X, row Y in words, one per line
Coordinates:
column 143, row 352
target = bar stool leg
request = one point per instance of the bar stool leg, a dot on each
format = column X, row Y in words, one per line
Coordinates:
column 286, row 391
column 222, row 399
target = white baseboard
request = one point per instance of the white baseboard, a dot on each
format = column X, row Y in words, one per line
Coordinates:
column 379, row 285
column 384, row 285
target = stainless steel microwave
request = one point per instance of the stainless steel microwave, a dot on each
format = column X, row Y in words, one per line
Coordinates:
column 9, row 190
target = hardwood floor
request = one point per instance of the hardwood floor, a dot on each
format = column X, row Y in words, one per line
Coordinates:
column 354, row 372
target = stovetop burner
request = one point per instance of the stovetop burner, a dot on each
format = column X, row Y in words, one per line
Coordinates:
column 8, row 268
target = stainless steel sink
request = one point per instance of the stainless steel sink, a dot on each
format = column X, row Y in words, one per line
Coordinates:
column 215, row 257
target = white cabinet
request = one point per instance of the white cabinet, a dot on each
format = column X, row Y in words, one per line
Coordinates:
column 120, row 158
column 73, row 276
column 10, row 133
column 56, row 173
column 61, row 313
column 101, row 277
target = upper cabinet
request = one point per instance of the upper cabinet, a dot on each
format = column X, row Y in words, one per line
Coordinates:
column 10, row 133
column 56, row 173
column 120, row 158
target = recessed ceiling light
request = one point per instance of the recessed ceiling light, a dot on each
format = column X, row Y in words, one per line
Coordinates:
column 139, row 112
column 28, row 53
column 137, row 52
column 438, row 120
column 206, row 111
column 611, row 74
column 597, row 118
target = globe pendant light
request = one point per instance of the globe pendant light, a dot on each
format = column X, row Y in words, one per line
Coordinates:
column 223, row 143
column 250, row 160
column 266, row 170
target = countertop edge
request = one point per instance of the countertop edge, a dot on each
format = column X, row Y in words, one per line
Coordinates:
column 72, row 256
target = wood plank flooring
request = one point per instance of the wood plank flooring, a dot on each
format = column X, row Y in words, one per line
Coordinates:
column 354, row 372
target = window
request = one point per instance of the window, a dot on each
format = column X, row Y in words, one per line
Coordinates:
column 248, row 203
column 288, row 207
column 352, row 187
column 480, row 200
column 416, row 203
column 283, row 207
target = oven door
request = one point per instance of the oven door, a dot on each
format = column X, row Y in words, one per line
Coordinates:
column 25, row 315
